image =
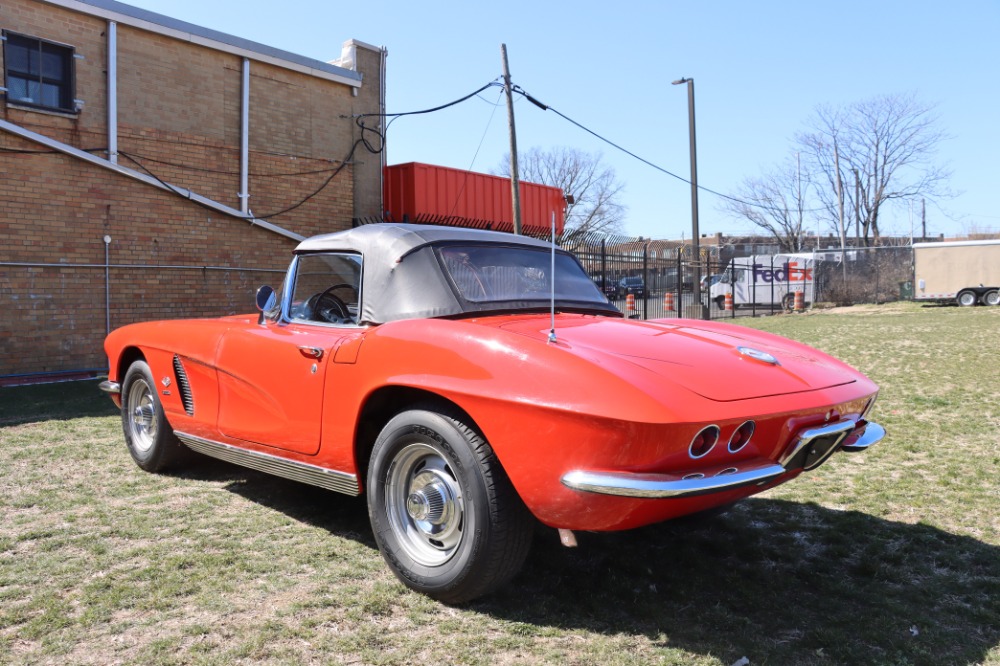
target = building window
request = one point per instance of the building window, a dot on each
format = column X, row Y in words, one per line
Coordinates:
column 38, row 73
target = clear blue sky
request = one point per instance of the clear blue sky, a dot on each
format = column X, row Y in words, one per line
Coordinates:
column 760, row 68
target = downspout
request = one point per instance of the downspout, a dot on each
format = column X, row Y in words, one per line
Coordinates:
column 112, row 92
column 381, row 171
column 107, row 286
column 244, row 194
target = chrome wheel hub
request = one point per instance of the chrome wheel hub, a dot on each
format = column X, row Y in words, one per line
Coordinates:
column 142, row 415
column 424, row 504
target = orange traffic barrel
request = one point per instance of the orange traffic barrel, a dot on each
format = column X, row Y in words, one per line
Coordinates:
column 729, row 301
column 630, row 302
column 668, row 301
column 800, row 301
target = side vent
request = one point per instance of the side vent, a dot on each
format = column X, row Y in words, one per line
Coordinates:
column 184, row 386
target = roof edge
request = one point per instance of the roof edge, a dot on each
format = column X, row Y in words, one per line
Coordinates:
column 158, row 23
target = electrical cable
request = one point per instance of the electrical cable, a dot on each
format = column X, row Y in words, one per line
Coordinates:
column 491, row 84
column 236, row 173
column 187, row 195
column 545, row 107
column 364, row 140
column 360, row 118
column 478, row 148
column 336, row 172
column 155, row 177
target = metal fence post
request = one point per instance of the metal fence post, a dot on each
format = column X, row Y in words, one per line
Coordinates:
column 604, row 266
column 645, row 281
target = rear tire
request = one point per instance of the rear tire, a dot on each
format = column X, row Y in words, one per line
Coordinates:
column 446, row 518
column 148, row 435
column 991, row 297
column 966, row 298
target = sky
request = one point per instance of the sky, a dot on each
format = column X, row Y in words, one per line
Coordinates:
column 760, row 70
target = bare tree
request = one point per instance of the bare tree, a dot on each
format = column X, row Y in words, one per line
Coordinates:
column 775, row 203
column 882, row 149
column 595, row 189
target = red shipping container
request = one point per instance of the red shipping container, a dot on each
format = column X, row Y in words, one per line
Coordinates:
column 427, row 194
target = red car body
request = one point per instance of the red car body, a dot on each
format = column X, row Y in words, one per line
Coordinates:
column 612, row 424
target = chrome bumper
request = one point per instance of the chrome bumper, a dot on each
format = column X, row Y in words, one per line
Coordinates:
column 110, row 387
column 809, row 450
column 627, row 484
column 872, row 434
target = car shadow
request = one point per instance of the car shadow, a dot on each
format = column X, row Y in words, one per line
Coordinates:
column 338, row 514
column 776, row 581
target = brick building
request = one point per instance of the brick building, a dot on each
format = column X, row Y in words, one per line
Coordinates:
column 150, row 168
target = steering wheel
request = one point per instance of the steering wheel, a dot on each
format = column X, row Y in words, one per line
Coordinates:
column 331, row 308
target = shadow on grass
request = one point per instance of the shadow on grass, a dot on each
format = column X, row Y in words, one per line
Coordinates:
column 47, row 402
column 339, row 514
column 775, row 581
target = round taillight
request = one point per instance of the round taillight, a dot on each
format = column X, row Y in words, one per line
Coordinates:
column 741, row 436
column 704, row 441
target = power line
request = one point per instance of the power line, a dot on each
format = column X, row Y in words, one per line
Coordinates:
column 545, row 107
column 478, row 148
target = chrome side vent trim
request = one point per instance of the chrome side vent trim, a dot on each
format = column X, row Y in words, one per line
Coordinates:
column 340, row 482
column 183, row 385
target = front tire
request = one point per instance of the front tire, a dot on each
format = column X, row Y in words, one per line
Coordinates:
column 446, row 518
column 148, row 435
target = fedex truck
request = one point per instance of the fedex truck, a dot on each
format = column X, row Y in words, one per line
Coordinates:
column 766, row 280
column 964, row 272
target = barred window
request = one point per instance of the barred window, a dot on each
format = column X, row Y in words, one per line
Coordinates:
column 38, row 73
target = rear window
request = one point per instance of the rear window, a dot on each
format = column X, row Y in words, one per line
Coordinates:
column 484, row 274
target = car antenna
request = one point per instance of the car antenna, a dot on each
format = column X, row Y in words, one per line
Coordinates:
column 552, row 281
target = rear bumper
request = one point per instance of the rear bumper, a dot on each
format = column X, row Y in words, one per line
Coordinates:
column 807, row 451
column 626, row 484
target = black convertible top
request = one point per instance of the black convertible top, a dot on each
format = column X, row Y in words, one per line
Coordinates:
column 406, row 276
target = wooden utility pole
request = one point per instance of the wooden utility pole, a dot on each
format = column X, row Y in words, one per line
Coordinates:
column 515, row 181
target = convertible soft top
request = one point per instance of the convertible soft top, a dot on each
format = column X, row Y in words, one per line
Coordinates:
column 402, row 278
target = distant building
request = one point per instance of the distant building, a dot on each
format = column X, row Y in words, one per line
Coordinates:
column 150, row 168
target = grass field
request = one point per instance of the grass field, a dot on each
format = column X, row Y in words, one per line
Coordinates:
column 890, row 557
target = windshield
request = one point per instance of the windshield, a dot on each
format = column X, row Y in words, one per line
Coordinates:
column 493, row 273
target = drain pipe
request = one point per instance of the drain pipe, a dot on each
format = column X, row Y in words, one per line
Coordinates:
column 244, row 194
column 112, row 92
column 107, row 286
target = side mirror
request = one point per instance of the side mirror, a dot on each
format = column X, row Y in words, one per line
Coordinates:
column 265, row 301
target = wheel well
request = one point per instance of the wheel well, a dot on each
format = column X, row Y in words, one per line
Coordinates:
column 384, row 404
column 128, row 356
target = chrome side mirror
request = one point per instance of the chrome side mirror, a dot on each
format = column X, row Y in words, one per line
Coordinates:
column 265, row 301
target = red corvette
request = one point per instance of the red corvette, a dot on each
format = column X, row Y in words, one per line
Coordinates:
column 428, row 368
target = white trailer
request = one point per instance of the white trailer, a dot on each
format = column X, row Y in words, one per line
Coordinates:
column 966, row 272
column 766, row 280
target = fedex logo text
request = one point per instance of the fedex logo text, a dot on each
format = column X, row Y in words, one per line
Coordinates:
column 788, row 272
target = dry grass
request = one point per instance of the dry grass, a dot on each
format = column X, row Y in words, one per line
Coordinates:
column 892, row 557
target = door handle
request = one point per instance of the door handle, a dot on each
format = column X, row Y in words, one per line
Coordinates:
column 311, row 352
